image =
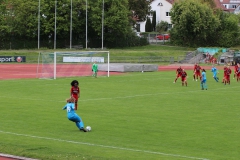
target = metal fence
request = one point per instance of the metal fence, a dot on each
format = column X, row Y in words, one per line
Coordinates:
column 142, row 59
column 152, row 39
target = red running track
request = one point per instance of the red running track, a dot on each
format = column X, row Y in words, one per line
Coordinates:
column 21, row 71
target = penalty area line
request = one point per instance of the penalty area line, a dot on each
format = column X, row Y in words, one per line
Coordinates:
column 104, row 146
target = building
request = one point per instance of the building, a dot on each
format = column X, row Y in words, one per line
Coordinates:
column 232, row 6
column 162, row 8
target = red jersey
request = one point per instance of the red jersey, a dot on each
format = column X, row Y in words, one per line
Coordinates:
column 179, row 71
column 228, row 71
column 184, row 74
column 236, row 68
column 225, row 70
column 198, row 68
column 75, row 90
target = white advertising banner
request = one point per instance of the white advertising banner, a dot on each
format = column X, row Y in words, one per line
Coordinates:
column 84, row 59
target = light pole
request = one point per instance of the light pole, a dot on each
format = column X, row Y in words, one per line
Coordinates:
column 86, row 24
column 71, row 27
column 55, row 28
column 39, row 24
column 102, row 22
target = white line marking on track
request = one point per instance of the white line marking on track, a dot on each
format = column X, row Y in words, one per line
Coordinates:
column 104, row 146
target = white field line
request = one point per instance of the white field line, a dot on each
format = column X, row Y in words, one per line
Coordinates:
column 104, row 146
column 124, row 97
column 15, row 157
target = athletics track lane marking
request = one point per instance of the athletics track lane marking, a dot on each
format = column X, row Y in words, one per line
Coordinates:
column 104, row 146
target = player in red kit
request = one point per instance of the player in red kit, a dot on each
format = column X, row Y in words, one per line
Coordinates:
column 238, row 73
column 197, row 72
column 194, row 68
column 75, row 92
column 228, row 73
column 224, row 73
column 178, row 73
column 235, row 70
column 184, row 78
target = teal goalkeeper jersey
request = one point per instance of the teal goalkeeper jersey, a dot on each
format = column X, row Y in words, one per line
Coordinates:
column 70, row 109
column 94, row 67
column 204, row 77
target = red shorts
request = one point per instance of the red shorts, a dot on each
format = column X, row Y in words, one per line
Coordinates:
column 227, row 77
column 238, row 74
column 75, row 97
column 184, row 79
column 179, row 75
column 197, row 73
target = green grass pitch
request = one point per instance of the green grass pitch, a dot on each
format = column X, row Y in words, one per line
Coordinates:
column 133, row 116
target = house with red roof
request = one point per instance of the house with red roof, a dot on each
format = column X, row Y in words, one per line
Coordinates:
column 163, row 7
column 230, row 5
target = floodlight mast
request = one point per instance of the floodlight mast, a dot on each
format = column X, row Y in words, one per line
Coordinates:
column 71, row 26
column 102, row 22
column 55, row 28
column 86, row 24
column 39, row 23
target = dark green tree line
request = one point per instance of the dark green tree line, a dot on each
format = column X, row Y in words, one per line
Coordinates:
column 19, row 21
column 197, row 24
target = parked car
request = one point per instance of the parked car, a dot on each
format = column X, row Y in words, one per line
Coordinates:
column 163, row 37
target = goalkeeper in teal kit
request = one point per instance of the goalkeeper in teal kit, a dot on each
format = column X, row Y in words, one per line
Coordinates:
column 72, row 116
column 215, row 71
column 95, row 69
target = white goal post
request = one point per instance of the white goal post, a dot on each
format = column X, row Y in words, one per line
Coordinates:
column 72, row 64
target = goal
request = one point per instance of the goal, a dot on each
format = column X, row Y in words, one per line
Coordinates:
column 72, row 64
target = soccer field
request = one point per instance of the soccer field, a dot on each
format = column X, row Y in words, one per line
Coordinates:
column 132, row 115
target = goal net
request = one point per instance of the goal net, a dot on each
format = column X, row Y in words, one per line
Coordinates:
column 71, row 64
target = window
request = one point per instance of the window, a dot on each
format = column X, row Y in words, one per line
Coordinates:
column 138, row 27
column 167, row 14
column 233, row 6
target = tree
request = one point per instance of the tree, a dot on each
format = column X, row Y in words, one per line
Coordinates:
column 227, row 34
column 162, row 26
column 211, row 3
column 6, row 20
column 25, row 18
column 139, row 8
column 116, row 20
column 22, row 21
column 154, row 21
column 148, row 25
column 193, row 23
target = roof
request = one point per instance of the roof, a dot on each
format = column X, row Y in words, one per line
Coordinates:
column 219, row 5
column 170, row 1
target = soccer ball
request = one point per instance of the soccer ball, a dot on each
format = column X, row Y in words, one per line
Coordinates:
column 88, row 128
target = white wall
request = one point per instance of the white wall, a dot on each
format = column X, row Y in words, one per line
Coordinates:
column 160, row 13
